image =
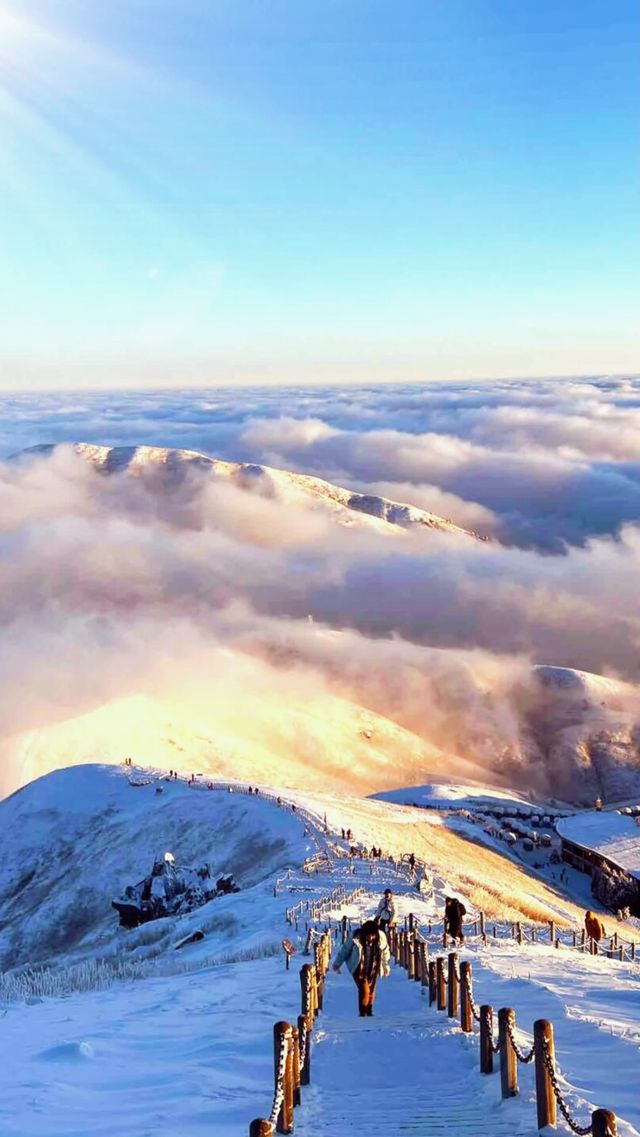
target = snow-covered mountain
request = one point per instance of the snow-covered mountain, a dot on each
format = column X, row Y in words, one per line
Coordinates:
column 71, row 841
column 164, row 467
column 584, row 730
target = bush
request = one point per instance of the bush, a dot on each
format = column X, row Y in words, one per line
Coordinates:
column 100, row 974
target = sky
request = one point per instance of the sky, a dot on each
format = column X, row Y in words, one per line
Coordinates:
column 199, row 192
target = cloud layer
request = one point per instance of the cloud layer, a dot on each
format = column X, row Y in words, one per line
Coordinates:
column 114, row 584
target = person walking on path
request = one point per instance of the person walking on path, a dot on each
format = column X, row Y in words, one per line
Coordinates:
column 386, row 912
column 594, row 927
column 454, row 910
column 366, row 954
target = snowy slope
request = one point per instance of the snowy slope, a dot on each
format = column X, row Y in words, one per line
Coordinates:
column 192, row 1054
column 583, row 729
column 448, row 793
column 71, row 841
column 305, row 740
column 170, row 467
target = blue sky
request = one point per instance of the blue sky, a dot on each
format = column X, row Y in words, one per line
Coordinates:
column 198, row 192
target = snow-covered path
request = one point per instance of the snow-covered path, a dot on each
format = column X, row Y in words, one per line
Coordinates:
column 407, row 1070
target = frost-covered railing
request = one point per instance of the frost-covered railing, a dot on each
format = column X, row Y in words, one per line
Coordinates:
column 320, row 908
column 450, row 986
column 292, row 1044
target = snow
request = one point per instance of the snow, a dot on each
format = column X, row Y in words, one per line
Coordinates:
column 346, row 506
column 193, row 1053
column 452, row 794
column 609, row 833
column 71, row 841
column 186, row 1047
column 308, row 739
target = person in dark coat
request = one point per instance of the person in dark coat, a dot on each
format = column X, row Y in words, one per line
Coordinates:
column 454, row 910
column 366, row 954
column 594, row 927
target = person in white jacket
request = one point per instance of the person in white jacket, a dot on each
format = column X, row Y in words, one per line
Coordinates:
column 366, row 954
column 386, row 912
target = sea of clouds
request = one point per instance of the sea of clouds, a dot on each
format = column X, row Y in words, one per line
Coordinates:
column 109, row 586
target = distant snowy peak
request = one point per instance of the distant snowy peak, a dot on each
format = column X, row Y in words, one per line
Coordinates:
column 173, row 466
column 569, row 683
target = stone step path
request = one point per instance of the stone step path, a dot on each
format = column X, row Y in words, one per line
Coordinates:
column 407, row 1070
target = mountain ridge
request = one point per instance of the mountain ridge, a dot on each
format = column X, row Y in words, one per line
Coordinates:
column 349, row 506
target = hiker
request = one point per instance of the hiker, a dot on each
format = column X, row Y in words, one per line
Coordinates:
column 454, row 910
column 594, row 927
column 366, row 954
column 412, row 860
column 386, row 912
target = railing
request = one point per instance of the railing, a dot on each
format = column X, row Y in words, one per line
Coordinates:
column 613, row 947
column 292, row 1045
column 320, row 908
column 451, row 990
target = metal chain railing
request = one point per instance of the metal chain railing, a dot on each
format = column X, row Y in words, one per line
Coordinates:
column 520, row 1054
column 475, row 1009
column 278, row 1096
column 550, row 1066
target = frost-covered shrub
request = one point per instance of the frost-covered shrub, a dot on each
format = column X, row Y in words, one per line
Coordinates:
column 100, row 974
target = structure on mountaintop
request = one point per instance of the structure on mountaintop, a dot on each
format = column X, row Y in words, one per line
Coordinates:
column 169, row 891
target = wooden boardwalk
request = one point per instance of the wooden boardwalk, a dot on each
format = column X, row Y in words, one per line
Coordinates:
column 408, row 1070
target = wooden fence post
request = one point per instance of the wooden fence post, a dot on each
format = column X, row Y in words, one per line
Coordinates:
column 295, row 1051
column 552, row 932
column 486, row 1039
column 305, row 986
column 604, row 1123
column 433, row 984
column 314, row 992
column 411, row 957
column 482, row 931
column 318, row 981
column 417, row 960
column 304, row 1031
column 452, row 1002
column 343, row 928
column 282, row 1035
column 441, row 983
column 545, row 1097
column 260, row 1128
column 412, row 921
column 466, row 1011
column 519, row 932
column 508, row 1059
column 424, row 964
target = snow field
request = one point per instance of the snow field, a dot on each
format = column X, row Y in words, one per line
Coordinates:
column 191, row 1053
